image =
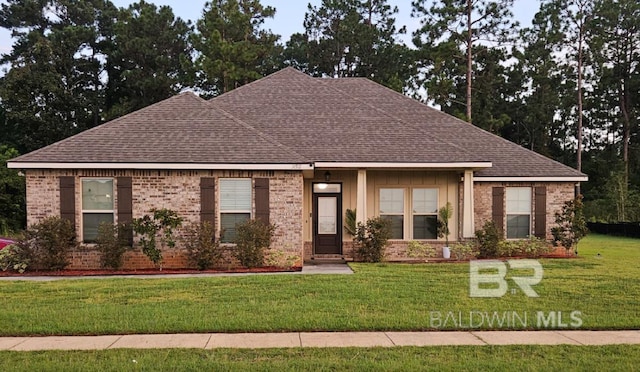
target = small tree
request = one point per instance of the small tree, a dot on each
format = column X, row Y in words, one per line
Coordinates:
column 253, row 238
column 571, row 225
column 112, row 242
column 163, row 222
column 444, row 215
column 203, row 249
column 371, row 239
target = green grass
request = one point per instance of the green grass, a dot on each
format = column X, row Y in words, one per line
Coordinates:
column 605, row 289
column 442, row 358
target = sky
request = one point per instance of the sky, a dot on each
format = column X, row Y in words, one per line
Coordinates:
column 290, row 15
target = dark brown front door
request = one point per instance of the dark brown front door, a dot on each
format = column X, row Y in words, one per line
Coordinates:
column 327, row 223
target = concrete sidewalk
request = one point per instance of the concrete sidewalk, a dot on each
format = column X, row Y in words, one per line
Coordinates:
column 318, row 339
column 332, row 269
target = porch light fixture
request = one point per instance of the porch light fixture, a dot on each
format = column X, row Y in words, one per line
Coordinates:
column 327, row 176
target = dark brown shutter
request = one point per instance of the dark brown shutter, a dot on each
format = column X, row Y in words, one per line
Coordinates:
column 125, row 205
column 540, row 211
column 125, row 200
column 497, row 211
column 68, row 199
column 262, row 199
column 208, row 200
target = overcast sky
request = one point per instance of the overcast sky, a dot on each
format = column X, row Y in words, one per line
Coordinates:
column 290, row 15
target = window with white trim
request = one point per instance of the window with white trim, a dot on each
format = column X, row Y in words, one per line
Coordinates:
column 392, row 208
column 97, row 206
column 518, row 212
column 235, row 205
column 425, row 213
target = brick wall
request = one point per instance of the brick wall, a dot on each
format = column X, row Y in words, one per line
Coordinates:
column 557, row 194
column 176, row 190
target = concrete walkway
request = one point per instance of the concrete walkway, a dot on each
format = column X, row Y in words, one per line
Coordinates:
column 341, row 268
column 318, row 339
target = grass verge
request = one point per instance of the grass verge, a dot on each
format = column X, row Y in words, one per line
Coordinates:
column 441, row 358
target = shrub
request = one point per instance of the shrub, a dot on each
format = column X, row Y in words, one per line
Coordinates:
column 416, row 249
column 508, row 248
column 112, row 242
column 462, row 251
column 278, row 258
column 163, row 222
column 253, row 238
column 533, row 247
column 13, row 258
column 371, row 239
column 571, row 225
column 47, row 244
column 203, row 249
column 488, row 238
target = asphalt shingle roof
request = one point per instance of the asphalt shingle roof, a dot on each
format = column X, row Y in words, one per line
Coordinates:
column 291, row 118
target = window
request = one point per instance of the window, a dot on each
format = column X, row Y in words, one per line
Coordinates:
column 425, row 213
column 518, row 212
column 392, row 208
column 235, row 205
column 97, row 206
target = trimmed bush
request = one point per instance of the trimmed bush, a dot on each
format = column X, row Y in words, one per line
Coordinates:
column 462, row 251
column 48, row 243
column 416, row 249
column 203, row 249
column 112, row 242
column 372, row 238
column 253, row 238
column 279, row 258
column 488, row 238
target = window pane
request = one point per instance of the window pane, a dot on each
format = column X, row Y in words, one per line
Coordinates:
column 90, row 223
column 327, row 215
column 397, row 226
column 97, row 195
column 518, row 226
column 235, row 194
column 391, row 201
column 425, row 227
column 228, row 222
column 425, row 201
column 518, row 200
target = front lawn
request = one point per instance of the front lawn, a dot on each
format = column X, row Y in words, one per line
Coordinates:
column 435, row 358
column 604, row 289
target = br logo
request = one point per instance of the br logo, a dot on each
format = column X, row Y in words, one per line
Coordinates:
column 488, row 278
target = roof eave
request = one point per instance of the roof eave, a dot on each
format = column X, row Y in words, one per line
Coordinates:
column 393, row 165
column 162, row 166
column 533, row 179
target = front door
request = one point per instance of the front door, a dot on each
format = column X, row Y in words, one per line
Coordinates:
column 327, row 219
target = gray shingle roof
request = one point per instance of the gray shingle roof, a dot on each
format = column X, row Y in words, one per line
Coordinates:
column 181, row 129
column 291, row 118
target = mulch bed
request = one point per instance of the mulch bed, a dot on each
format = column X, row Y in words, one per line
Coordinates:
column 268, row 269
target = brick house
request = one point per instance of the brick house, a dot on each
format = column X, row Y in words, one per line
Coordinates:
column 297, row 151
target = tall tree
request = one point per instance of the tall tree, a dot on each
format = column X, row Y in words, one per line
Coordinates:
column 149, row 59
column 353, row 38
column 461, row 24
column 231, row 47
column 614, row 36
column 53, row 87
column 12, row 195
column 539, row 83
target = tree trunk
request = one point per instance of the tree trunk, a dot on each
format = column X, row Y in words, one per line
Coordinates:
column 469, row 59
